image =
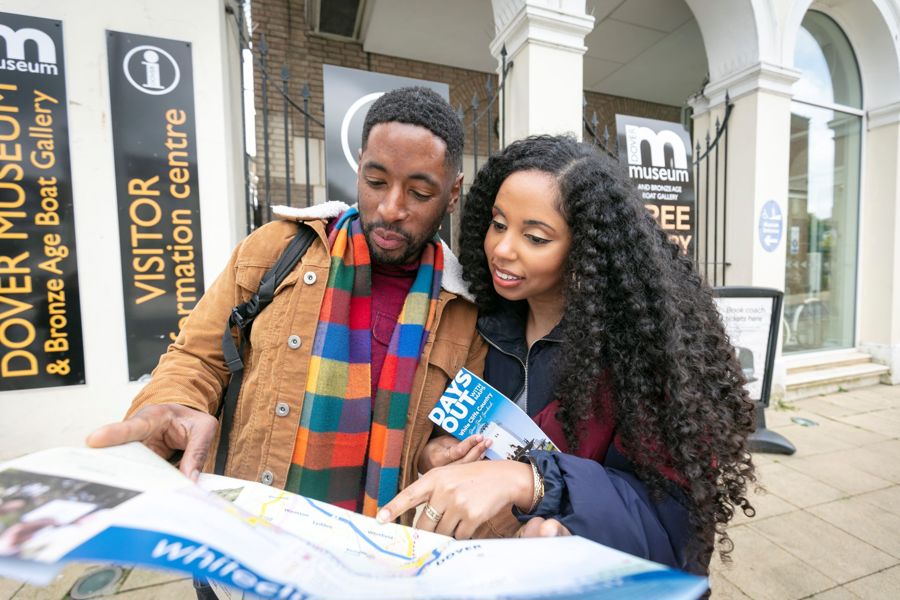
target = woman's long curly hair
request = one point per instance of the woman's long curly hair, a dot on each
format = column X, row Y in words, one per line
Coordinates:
column 640, row 317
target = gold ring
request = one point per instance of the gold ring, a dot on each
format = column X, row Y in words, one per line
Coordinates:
column 431, row 513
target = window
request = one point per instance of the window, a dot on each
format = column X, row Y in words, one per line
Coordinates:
column 823, row 194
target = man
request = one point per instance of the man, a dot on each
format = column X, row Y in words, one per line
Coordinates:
column 358, row 343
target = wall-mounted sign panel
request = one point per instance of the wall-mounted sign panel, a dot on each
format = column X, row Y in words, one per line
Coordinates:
column 349, row 93
column 40, row 312
column 658, row 157
column 155, row 149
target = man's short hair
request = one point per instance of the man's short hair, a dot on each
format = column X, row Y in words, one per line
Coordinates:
column 425, row 108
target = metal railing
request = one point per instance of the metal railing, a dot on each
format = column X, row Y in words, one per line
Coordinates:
column 480, row 113
column 478, row 120
column 710, row 171
column 712, row 211
column 288, row 104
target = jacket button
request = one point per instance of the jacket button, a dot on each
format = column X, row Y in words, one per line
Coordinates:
column 282, row 409
column 293, row 342
column 266, row 477
column 309, row 278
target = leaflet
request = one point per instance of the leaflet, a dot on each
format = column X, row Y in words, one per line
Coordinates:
column 470, row 406
column 124, row 505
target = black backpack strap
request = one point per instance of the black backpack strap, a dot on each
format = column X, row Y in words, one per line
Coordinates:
column 242, row 317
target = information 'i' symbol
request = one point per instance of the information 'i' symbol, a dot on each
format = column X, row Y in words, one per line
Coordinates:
column 151, row 70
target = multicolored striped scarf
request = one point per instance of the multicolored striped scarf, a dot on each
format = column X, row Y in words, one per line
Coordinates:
column 347, row 452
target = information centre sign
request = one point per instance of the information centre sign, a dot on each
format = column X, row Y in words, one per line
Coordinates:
column 155, row 152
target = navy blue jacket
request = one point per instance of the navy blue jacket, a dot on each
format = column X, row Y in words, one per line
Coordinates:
column 595, row 493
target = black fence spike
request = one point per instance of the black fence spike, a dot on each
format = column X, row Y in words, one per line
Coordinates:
column 263, row 45
column 306, row 92
column 605, row 136
column 727, row 98
column 460, row 113
column 503, row 50
column 717, row 125
column 475, row 101
column 285, row 72
column 707, row 139
column 489, row 85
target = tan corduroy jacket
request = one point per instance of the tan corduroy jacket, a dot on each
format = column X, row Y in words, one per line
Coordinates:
column 192, row 371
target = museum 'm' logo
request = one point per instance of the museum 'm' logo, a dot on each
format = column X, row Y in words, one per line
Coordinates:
column 676, row 170
column 41, row 45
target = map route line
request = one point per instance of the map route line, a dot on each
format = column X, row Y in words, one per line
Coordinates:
column 435, row 554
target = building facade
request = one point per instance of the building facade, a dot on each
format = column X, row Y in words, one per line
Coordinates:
column 806, row 95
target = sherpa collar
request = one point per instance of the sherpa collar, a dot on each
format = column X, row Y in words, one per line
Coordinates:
column 451, row 281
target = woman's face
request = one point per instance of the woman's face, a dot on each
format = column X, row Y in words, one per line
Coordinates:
column 528, row 241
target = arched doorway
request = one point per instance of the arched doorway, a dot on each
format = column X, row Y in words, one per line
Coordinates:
column 823, row 194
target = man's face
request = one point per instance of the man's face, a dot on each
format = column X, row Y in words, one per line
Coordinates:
column 405, row 189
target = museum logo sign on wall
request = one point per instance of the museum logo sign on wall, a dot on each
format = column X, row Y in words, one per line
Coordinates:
column 658, row 157
column 155, row 149
column 40, row 313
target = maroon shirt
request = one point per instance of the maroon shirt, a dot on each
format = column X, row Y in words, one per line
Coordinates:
column 390, row 286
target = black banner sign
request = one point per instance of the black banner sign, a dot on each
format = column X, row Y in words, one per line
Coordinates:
column 658, row 156
column 40, row 313
column 349, row 93
column 155, row 149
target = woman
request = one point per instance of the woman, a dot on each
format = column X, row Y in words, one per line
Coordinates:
column 609, row 339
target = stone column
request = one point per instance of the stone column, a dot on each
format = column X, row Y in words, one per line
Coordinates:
column 879, row 243
column 758, row 151
column 759, row 132
column 544, row 39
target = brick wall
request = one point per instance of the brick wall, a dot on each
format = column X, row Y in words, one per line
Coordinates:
column 607, row 107
column 283, row 22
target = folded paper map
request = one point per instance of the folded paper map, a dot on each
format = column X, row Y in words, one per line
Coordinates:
column 125, row 505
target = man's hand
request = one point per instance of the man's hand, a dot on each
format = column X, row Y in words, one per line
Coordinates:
column 447, row 450
column 541, row 527
column 164, row 428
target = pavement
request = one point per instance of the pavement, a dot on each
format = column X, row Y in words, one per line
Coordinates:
column 827, row 522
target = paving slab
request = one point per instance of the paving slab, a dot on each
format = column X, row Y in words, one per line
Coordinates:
column 890, row 449
column 8, row 588
column 887, row 500
column 831, row 550
column 831, row 470
column 812, row 440
column 762, row 570
column 776, row 417
column 797, row 488
column 722, row 589
column 885, row 422
column 760, row 458
column 838, row 593
column 182, row 589
column 141, row 578
column 822, row 406
column 866, row 399
column 884, row 584
column 875, row 460
column 56, row 590
column 766, row 504
column 866, row 521
column 832, row 434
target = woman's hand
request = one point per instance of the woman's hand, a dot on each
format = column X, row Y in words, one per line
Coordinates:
column 447, row 450
column 463, row 496
column 541, row 527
